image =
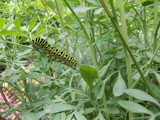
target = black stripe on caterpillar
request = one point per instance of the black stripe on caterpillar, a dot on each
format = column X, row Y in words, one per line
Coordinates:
column 53, row 52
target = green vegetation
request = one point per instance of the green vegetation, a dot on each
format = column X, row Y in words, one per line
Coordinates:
column 116, row 45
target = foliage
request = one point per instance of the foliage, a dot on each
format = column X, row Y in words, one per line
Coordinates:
column 117, row 49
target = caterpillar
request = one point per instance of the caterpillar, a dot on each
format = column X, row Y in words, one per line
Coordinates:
column 53, row 52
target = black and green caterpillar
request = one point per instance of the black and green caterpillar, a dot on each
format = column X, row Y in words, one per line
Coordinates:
column 53, row 52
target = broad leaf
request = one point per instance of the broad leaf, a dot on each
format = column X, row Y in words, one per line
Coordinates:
column 29, row 115
column 119, row 87
column 88, row 73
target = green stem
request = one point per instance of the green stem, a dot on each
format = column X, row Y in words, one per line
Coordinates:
column 92, row 50
column 156, row 19
column 60, row 15
column 145, row 27
column 127, row 47
column 128, row 59
column 86, row 34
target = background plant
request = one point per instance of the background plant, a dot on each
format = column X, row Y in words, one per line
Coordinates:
column 116, row 44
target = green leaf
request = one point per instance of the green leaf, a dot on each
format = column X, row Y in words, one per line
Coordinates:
column 55, row 108
column 111, row 110
column 2, row 45
column 57, row 117
column 120, row 55
column 119, row 87
column 63, row 116
column 99, row 117
column 150, row 55
column 138, row 94
column 9, row 32
column 134, row 107
column 29, row 115
column 104, row 70
column 89, row 110
column 79, row 116
column 32, row 24
column 42, row 26
column 93, row 2
column 98, row 11
column 147, row 2
column 51, row 4
column 155, row 89
column 82, row 9
column 24, row 52
column 100, row 87
column 14, row 78
column 2, row 22
column 157, row 76
column 88, row 73
column 17, row 24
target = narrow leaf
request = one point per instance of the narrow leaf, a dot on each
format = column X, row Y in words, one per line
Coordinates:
column 79, row 116
column 2, row 22
column 40, row 28
column 32, row 23
column 9, row 32
column 82, row 9
column 103, row 71
column 55, row 108
column 18, row 25
column 157, row 76
column 111, row 110
column 138, row 94
column 134, row 107
column 93, row 2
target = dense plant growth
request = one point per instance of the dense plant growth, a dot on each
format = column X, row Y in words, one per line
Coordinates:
column 116, row 45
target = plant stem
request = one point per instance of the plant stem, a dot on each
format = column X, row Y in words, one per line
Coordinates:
column 156, row 19
column 127, row 47
column 60, row 15
column 92, row 50
column 86, row 34
column 145, row 26
column 128, row 59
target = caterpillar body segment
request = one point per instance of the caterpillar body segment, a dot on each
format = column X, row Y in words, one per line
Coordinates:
column 53, row 52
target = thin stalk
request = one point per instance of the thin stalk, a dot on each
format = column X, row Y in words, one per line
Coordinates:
column 145, row 26
column 156, row 19
column 128, row 59
column 86, row 34
column 146, row 66
column 60, row 15
column 113, row 10
column 127, row 47
column 92, row 50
